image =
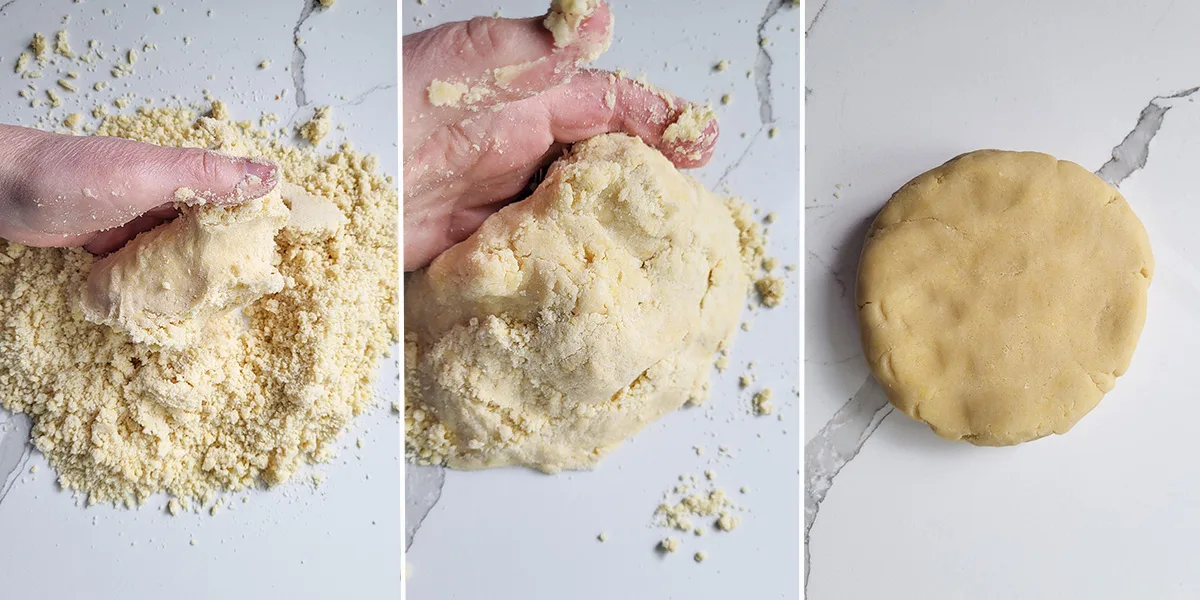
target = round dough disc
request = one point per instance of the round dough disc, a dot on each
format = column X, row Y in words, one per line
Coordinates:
column 1001, row 294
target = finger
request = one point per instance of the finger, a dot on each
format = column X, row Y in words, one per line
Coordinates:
column 112, row 239
column 597, row 102
column 89, row 184
column 488, row 61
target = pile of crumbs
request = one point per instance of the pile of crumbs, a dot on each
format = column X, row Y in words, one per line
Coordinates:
column 78, row 380
column 689, row 505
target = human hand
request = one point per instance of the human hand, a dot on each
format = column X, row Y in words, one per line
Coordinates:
column 100, row 192
column 464, row 160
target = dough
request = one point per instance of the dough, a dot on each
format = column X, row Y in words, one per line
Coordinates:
column 164, row 286
column 1001, row 295
column 574, row 318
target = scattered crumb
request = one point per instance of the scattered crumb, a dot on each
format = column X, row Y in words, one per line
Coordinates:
column 62, row 45
column 762, row 402
column 726, row 98
column 603, row 537
column 727, row 522
column 700, row 556
column 173, row 507
column 721, row 65
column 770, row 291
column 318, row 127
column 158, row 10
column 772, row 132
column 264, row 65
column 219, row 111
column 668, row 544
column 67, row 85
column 73, row 121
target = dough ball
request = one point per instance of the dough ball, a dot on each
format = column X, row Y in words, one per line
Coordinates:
column 574, row 318
column 164, row 286
column 1001, row 294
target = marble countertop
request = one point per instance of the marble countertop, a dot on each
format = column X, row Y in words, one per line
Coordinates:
column 340, row 540
column 1106, row 511
column 514, row 533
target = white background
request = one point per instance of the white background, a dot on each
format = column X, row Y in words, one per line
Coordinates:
column 1109, row 510
column 512, row 533
column 342, row 540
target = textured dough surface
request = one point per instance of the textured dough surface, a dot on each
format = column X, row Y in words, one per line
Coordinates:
column 164, row 286
column 1001, row 295
column 572, row 319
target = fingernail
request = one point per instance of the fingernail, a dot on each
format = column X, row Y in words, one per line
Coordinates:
column 260, row 178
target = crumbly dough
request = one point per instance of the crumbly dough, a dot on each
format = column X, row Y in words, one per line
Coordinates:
column 1001, row 295
column 260, row 394
column 164, row 286
column 572, row 319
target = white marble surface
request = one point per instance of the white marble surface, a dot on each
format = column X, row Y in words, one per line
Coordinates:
column 513, row 533
column 1107, row 511
column 339, row 541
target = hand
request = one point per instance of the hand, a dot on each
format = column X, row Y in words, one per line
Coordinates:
column 100, row 192
column 463, row 161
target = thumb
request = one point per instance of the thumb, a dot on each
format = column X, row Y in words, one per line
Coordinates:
column 488, row 61
column 66, row 188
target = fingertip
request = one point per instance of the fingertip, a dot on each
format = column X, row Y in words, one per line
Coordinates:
column 260, row 177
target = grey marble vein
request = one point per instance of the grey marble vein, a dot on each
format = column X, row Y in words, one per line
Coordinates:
column 762, row 64
column 738, row 161
column 359, row 99
column 836, row 274
column 835, row 445
column 1132, row 153
column 298, row 55
column 14, row 451
column 816, row 17
column 4, row 7
column 422, row 490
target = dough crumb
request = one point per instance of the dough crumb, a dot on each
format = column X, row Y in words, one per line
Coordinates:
column 700, row 556
column 73, row 121
column 668, row 544
column 319, row 126
column 770, row 291
column 721, row 65
column 762, row 402
column 62, row 44
column 442, row 93
column 727, row 522
column 603, row 537
column 41, row 48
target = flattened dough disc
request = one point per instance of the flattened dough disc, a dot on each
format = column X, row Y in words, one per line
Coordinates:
column 1001, row 294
